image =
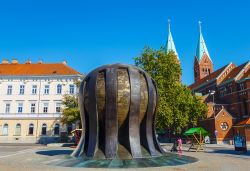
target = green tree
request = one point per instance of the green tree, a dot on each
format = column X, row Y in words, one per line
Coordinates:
column 71, row 110
column 177, row 108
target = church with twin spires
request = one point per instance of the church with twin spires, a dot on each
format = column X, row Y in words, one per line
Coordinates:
column 226, row 91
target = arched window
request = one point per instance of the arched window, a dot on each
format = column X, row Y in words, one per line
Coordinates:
column 69, row 128
column 59, row 89
column 18, row 129
column 5, row 129
column 44, row 129
column 56, row 129
column 31, row 129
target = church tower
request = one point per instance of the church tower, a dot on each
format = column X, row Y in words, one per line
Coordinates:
column 170, row 46
column 203, row 64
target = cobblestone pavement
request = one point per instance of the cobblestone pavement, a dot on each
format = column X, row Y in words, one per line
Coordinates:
column 27, row 157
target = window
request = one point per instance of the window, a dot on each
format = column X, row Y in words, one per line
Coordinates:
column 46, row 89
column 9, row 90
column 71, row 89
column 18, row 129
column 31, row 129
column 5, row 129
column 58, row 107
column 34, row 89
column 20, row 108
column 32, row 108
column 223, row 91
column 59, row 89
column 224, row 126
column 7, row 108
column 21, row 90
column 56, row 129
column 245, row 105
column 44, row 129
column 241, row 86
column 45, row 107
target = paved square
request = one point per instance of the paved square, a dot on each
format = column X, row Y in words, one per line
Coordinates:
column 26, row 157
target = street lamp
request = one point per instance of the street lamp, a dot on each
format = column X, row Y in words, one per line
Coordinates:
column 212, row 93
column 215, row 132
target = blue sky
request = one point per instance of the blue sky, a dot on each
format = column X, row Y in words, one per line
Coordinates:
column 91, row 33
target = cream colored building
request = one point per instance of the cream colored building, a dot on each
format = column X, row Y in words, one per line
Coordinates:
column 31, row 100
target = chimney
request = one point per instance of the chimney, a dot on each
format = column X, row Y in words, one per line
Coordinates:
column 4, row 61
column 64, row 62
column 40, row 62
column 28, row 62
column 14, row 61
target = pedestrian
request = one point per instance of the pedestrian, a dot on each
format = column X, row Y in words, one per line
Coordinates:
column 179, row 145
column 174, row 147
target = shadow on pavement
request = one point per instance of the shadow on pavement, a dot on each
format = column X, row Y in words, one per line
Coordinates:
column 55, row 152
column 68, row 145
column 227, row 151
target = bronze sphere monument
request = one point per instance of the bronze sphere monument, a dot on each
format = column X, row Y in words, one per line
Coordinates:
column 118, row 106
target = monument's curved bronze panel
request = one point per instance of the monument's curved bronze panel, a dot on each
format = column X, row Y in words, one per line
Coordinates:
column 157, row 145
column 134, row 112
column 150, row 116
column 111, row 123
column 118, row 105
column 92, row 117
column 123, row 95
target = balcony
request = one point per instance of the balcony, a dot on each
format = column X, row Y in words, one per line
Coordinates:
column 29, row 115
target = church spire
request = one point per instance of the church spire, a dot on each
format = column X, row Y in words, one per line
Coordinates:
column 203, row 64
column 201, row 46
column 170, row 43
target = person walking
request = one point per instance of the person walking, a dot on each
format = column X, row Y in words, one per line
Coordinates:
column 174, row 147
column 179, row 146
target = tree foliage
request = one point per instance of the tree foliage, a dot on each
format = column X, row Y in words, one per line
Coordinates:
column 177, row 107
column 71, row 110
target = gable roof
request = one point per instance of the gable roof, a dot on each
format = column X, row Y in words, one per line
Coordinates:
column 223, row 109
column 244, row 73
column 36, row 69
column 244, row 122
column 208, row 78
column 233, row 73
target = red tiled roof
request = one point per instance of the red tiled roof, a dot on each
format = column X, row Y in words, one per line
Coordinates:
column 37, row 69
column 211, row 76
column 244, row 122
column 233, row 73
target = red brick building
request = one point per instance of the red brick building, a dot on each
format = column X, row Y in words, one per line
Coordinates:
column 220, row 120
column 227, row 90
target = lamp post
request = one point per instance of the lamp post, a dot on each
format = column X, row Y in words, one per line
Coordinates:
column 215, row 132
column 212, row 93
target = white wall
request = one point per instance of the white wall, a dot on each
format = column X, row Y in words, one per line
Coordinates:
column 39, row 98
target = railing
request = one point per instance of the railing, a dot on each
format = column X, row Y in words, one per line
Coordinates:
column 30, row 115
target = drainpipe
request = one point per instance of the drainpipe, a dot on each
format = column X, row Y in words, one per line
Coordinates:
column 38, row 109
